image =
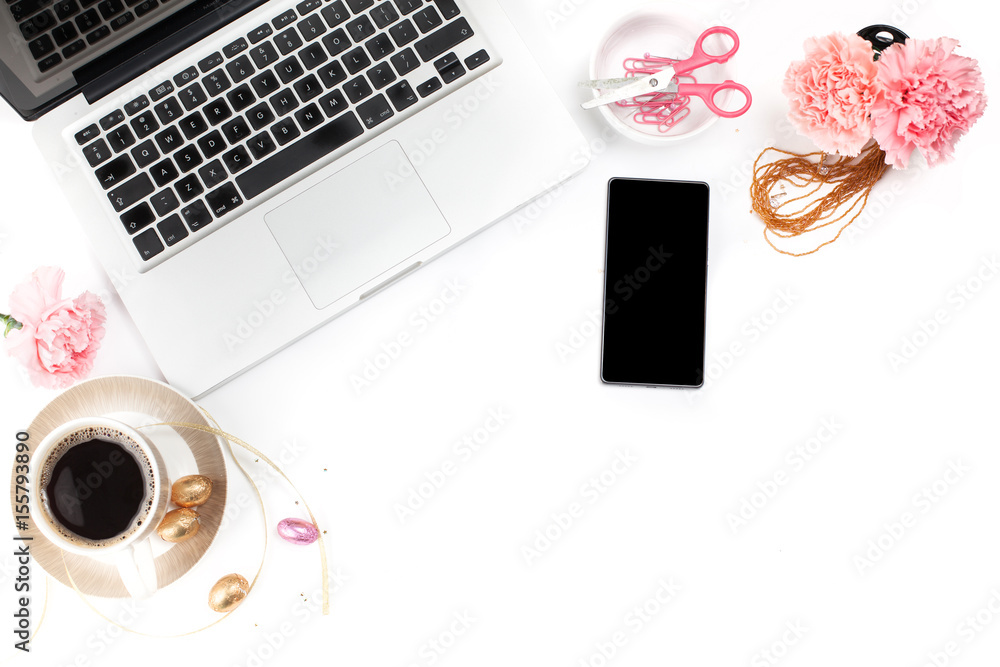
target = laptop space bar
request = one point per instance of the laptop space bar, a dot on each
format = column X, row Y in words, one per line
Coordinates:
column 299, row 155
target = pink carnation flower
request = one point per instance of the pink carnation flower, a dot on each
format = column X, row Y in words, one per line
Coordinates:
column 931, row 98
column 832, row 91
column 59, row 337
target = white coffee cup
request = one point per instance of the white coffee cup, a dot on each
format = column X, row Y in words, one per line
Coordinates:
column 129, row 548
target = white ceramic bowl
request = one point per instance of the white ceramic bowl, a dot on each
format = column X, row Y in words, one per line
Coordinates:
column 665, row 33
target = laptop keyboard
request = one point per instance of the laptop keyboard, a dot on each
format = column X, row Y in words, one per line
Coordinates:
column 221, row 132
column 59, row 31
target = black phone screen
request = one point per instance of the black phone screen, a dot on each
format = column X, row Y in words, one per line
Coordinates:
column 655, row 276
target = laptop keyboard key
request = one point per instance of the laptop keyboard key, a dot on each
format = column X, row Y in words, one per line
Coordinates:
column 193, row 125
column 169, row 139
column 307, row 88
column 47, row 63
column 311, row 27
column 265, row 84
column 375, row 111
column 88, row 20
column 260, row 33
column 97, row 152
column 210, row 62
column 288, row 41
column 164, row 172
column 120, row 138
column 240, row 68
column 216, row 83
column 74, row 48
column 137, row 105
column 403, row 33
column 112, row 119
column 427, row 19
column 144, row 124
column 240, row 98
column 186, row 77
column 138, row 218
column 196, row 215
column 145, row 154
column 289, row 69
column 443, row 40
column 384, row 15
column 261, row 145
column 236, row 130
column 381, row 75
column 405, row 62
column 168, row 111
column 326, row 139
column 41, row 46
column 379, row 46
column 333, row 104
column 164, row 202
column 148, row 244
column 165, row 88
column 223, row 200
column 235, row 47
column 360, row 28
column 358, row 6
column 217, row 111
column 356, row 60
column 172, row 230
column 119, row 22
column 429, row 86
column 264, row 54
column 284, row 131
column 128, row 193
column 192, row 96
column 212, row 174
column 64, row 33
column 236, row 160
column 313, row 56
column 212, row 144
column 260, row 116
column 477, row 59
column 402, row 95
column 87, row 134
column 188, row 188
column 98, row 35
column 448, row 8
column 109, row 8
column 407, row 6
column 309, row 117
column 284, row 102
column 279, row 22
column 187, row 158
column 332, row 74
column 336, row 13
column 337, row 42
column 357, row 89
column 115, row 172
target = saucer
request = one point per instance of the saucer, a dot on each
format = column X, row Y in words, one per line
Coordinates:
column 138, row 402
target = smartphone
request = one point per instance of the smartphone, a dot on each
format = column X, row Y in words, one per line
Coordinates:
column 655, row 280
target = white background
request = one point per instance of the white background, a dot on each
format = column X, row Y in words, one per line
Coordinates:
column 789, row 581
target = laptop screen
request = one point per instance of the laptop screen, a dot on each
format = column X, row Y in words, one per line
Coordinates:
column 55, row 51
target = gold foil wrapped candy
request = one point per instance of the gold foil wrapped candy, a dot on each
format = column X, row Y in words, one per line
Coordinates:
column 191, row 491
column 228, row 592
column 179, row 525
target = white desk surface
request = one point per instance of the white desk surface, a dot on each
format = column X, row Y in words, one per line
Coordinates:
column 880, row 547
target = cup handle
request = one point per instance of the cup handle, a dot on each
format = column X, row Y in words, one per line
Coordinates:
column 138, row 570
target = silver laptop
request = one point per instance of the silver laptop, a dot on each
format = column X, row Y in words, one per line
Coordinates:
column 260, row 168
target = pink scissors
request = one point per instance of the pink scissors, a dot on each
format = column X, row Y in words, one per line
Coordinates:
column 663, row 81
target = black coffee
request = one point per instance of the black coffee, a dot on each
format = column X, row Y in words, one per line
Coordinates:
column 96, row 489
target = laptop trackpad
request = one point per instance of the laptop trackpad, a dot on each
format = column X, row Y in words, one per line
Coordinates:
column 357, row 225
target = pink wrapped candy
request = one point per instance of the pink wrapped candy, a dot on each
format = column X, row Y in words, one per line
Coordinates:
column 298, row 531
